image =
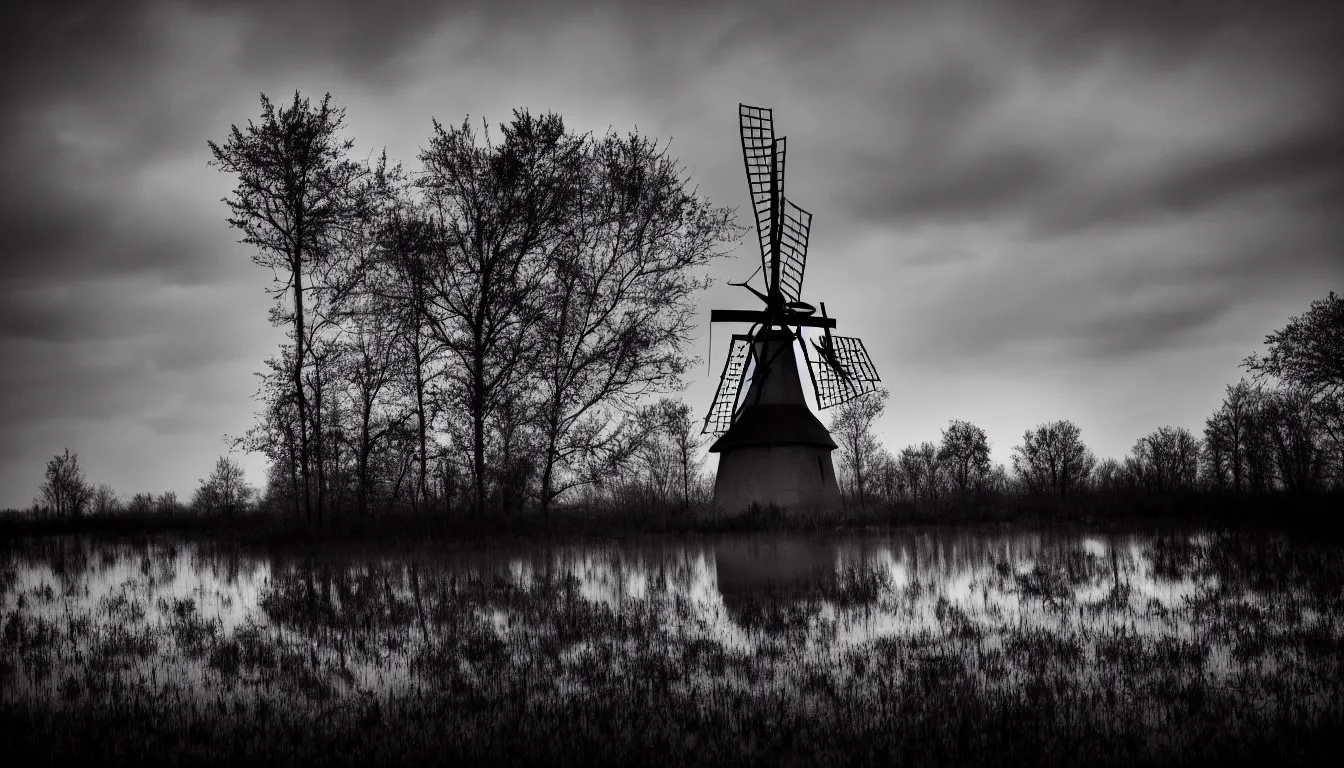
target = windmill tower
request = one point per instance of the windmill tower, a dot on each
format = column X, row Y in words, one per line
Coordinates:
column 772, row 448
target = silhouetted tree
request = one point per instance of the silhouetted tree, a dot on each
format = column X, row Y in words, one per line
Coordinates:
column 104, row 500
column 964, row 453
column 1290, row 421
column 65, row 491
column 371, row 359
column 409, row 244
column 298, row 195
column 911, row 467
column 852, row 429
column 141, row 504
column 167, row 504
column 1309, row 351
column 1307, row 356
column 1227, row 433
column 501, row 209
column 887, row 477
column 1053, row 457
column 678, row 437
column 1167, row 459
column 932, row 471
column 618, row 301
column 224, row 492
column 1108, row 476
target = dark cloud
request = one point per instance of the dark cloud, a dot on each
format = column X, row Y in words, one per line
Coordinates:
column 1306, row 167
column 1023, row 184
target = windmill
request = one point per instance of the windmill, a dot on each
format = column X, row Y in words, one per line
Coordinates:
column 772, row 448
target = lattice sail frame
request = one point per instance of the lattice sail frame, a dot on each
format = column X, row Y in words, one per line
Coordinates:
column 795, row 228
column 740, row 355
column 855, row 374
column 764, row 156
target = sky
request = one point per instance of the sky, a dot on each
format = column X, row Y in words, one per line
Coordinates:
column 1029, row 210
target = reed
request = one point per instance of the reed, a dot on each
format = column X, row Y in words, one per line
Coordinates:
column 1169, row 648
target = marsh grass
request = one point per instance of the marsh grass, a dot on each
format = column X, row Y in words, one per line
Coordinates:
column 1171, row 649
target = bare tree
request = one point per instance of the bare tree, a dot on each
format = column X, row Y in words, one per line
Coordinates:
column 1052, row 457
column 65, row 491
column 501, row 209
column 372, row 357
column 1227, row 432
column 852, row 429
column 619, row 298
column 1108, row 476
column 1290, row 420
column 889, row 483
column 410, row 242
column 141, row 504
column 965, row 454
column 1167, row 459
column 297, row 196
column 104, row 500
column 932, row 471
column 166, row 503
column 224, row 492
column 911, row 466
column 1309, row 351
column 1307, row 356
column 676, row 441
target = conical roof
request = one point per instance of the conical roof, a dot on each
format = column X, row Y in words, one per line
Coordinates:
column 775, row 412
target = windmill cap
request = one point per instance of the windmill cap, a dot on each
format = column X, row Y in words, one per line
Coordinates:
column 774, row 424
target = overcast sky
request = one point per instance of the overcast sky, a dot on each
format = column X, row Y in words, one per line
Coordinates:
column 1081, row 210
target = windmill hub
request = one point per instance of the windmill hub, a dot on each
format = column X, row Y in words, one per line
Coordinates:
column 773, row 449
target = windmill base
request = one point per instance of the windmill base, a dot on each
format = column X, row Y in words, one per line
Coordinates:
column 794, row 476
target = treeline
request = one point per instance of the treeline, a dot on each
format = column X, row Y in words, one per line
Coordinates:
column 66, row 494
column 1279, row 434
column 483, row 334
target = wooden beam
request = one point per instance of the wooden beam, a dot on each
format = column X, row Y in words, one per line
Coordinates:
column 757, row 316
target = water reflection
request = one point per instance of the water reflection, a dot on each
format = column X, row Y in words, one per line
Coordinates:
column 789, row 618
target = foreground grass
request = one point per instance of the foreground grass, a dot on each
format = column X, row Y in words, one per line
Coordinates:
column 377, row 660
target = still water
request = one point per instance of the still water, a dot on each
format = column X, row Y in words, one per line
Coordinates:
column 1126, row 620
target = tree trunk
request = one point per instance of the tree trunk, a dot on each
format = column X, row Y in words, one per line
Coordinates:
column 361, row 492
column 478, row 441
column 302, row 399
column 421, row 489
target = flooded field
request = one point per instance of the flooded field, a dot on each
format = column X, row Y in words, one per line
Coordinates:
column 946, row 646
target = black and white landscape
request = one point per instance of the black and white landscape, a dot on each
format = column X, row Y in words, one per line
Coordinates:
column 358, row 387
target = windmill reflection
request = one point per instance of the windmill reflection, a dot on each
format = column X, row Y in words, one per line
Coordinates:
column 775, row 584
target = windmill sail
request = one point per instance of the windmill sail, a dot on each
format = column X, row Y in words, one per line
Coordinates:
column 841, row 370
column 795, row 227
column 721, row 413
column 764, row 158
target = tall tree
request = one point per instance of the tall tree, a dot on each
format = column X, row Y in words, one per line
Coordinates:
column 965, row 453
column 298, row 195
column 225, row 491
column 1053, row 457
column 1291, row 423
column 409, row 244
column 852, row 428
column 1167, row 459
column 1307, row 355
column 619, row 298
column 65, row 491
column 501, row 210
column 371, row 359
column 677, row 437
column 932, row 470
column 911, row 465
column 1309, row 351
column 1227, row 432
